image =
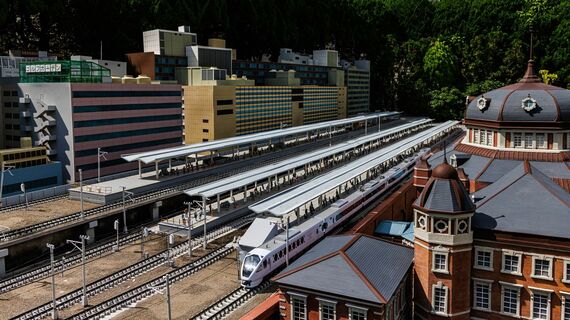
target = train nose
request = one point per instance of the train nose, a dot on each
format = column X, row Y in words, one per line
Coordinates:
column 246, row 283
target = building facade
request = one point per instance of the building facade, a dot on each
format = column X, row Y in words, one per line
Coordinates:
column 513, row 160
column 10, row 122
column 225, row 109
column 169, row 42
column 73, row 116
column 157, row 67
column 357, row 82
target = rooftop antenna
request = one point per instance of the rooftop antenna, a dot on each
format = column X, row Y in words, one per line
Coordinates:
column 531, row 36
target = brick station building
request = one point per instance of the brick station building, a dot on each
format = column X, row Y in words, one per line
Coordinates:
column 491, row 218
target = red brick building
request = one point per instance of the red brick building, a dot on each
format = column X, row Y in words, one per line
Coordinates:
column 348, row 277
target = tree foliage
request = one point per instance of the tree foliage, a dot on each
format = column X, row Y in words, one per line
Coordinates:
column 424, row 53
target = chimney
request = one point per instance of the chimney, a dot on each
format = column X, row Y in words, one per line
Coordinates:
column 422, row 173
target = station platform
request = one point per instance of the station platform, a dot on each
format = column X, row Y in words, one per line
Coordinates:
column 109, row 191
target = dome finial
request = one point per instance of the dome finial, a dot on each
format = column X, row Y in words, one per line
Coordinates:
column 530, row 76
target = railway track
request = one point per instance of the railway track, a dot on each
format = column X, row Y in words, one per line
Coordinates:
column 221, row 308
column 23, row 279
column 132, row 271
column 146, row 290
column 175, row 188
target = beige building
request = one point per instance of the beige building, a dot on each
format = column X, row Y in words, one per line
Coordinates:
column 217, row 106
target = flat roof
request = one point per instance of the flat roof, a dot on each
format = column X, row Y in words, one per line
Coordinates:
column 288, row 200
column 182, row 151
column 249, row 177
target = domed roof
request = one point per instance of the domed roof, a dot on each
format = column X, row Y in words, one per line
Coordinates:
column 529, row 100
column 444, row 192
column 444, row 171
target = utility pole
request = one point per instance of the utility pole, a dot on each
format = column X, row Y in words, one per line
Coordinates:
column 125, row 194
column 365, row 126
column 4, row 169
column 116, row 227
column 168, row 296
column 82, row 249
column 189, row 219
column 204, row 210
column 54, row 307
column 169, row 242
column 81, row 191
column 330, row 136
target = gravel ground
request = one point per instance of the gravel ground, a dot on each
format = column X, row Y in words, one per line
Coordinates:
column 19, row 300
column 191, row 295
column 254, row 302
column 42, row 212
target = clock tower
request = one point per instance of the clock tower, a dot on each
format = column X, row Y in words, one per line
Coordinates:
column 443, row 244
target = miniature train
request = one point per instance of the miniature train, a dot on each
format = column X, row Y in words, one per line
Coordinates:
column 271, row 255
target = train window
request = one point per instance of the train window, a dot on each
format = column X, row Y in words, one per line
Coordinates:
column 303, row 239
column 280, row 254
column 274, row 257
column 264, row 263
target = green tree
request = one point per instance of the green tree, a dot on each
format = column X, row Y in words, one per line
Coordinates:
column 440, row 64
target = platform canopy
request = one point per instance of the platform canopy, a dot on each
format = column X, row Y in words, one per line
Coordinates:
column 291, row 199
column 184, row 151
column 240, row 180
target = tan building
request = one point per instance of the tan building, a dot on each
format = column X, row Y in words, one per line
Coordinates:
column 216, row 106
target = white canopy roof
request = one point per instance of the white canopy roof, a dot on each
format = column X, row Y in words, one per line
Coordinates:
column 175, row 152
column 240, row 180
column 287, row 201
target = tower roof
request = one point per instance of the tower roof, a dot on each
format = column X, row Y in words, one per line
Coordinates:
column 444, row 192
column 527, row 102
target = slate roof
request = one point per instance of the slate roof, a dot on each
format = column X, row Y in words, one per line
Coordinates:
column 524, row 201
column 445, row 195
column 363, row 268
column 553, row 103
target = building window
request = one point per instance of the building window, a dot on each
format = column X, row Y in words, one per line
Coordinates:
column 484, row 258
column 205, row 130
column 476, row 135
column 439, row 298
column 298, row 307
column 482, row 295
column 327, row 309
column 540, row 141
column 565, row 307
column 528, row 140
column 542, row 267
column 540, row 304
column 205, row 120
column 440, row 262
column 511, row 262
column 517, row 140
column 489, row 138
column 510, row 296
column 482, row 137
column 566, row 272
column 356, row 313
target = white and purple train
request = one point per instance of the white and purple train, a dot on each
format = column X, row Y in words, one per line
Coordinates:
column 264, row 259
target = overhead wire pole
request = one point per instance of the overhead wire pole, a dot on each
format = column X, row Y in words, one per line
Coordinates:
column 54, row 306
column 287, row 242
column 125, row 194
column 82, row 249
column 5, row 168
column 204, row 210
column 101, row 154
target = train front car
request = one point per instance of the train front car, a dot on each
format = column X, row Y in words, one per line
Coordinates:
column 254, row 268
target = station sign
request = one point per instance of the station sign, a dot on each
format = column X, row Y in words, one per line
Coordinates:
column 41, row 68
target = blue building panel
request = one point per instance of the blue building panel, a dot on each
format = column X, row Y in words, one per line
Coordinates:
column 35, row 178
